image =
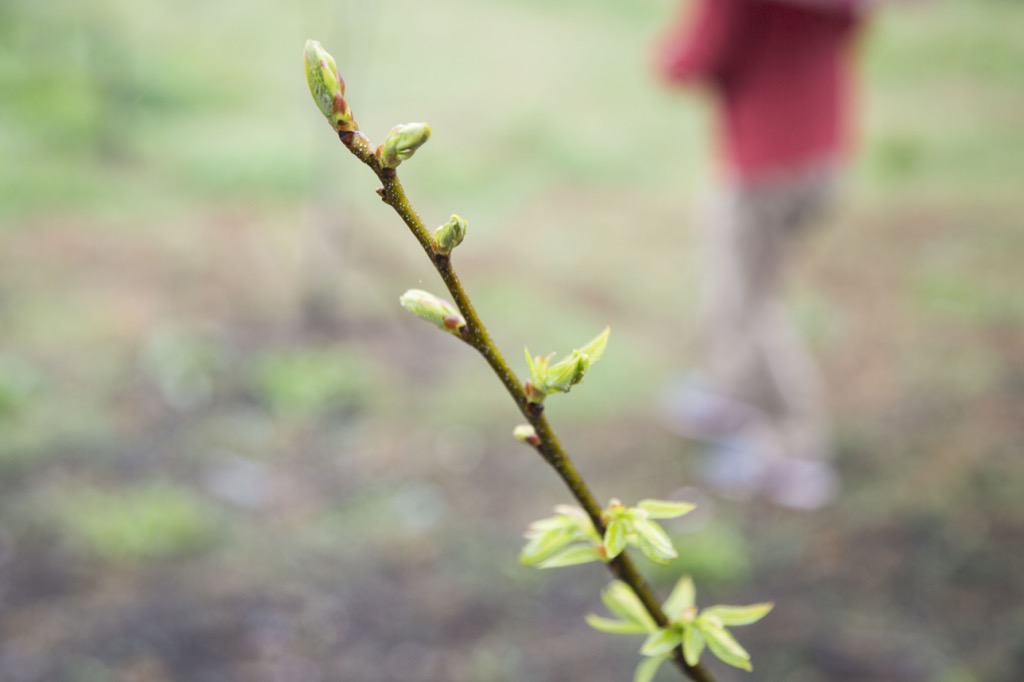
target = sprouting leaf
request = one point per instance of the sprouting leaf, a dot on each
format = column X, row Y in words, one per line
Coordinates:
column 594, row 348
column 664, row 509
column 571, row 556
column 538, row 369
column 550, row 536
column 683, row 597
column 693, row 644
column 545, row 544
column 623, row 602
column 547, row 378
column 724, row 645
column 615, row 538
column 614, row 627
column 648, row 668
column 556, row 522
column 566, row 373
column 738, row 615
column 578, row 516
column 661, row 642
column 653, row 541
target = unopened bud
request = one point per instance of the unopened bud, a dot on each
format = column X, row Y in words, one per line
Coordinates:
column 435, row 310
column 449, row 235
column 327, row 87
column 526, row 434
column 401, row 143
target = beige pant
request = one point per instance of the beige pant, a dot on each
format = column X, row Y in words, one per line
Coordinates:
column 751, row 351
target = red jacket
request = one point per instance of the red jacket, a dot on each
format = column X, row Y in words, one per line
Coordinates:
column 782, row 73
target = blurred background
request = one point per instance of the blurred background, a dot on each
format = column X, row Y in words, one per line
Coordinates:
column 227, row 454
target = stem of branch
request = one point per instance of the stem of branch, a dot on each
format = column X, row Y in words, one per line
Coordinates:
column 622, row 566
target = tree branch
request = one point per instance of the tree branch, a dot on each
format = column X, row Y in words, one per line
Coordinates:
column 476, row 335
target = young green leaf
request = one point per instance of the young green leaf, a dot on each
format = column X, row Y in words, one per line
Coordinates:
column 724, row 645
column 566, row 373
column 683, row 597
column 578, row 516
column 571, row 556
column 615, row 538
column 594, row 348
column 664, row 509
column 623, row 602
column 693, row 644
column 545, row 544
column 738, row 615
column 648, row 668
column 653, row 541
column 538, row 368
column 614, row 627
column 661, row 642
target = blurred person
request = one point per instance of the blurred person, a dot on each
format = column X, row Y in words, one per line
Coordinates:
column 780, row 72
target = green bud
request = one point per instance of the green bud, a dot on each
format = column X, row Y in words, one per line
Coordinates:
column 327, row 87
column 435, row 310
column 449, row 235
column 401, row 143
column 526, row 434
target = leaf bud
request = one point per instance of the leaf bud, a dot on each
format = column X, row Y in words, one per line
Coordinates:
column 401, row 143
column 525, row 433
column 327, row 87
column 435, row 310
column 449, row 235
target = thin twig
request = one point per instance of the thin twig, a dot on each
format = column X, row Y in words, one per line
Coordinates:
column 475, row 334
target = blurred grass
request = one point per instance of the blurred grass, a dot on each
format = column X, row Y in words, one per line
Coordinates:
column 203, row 366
